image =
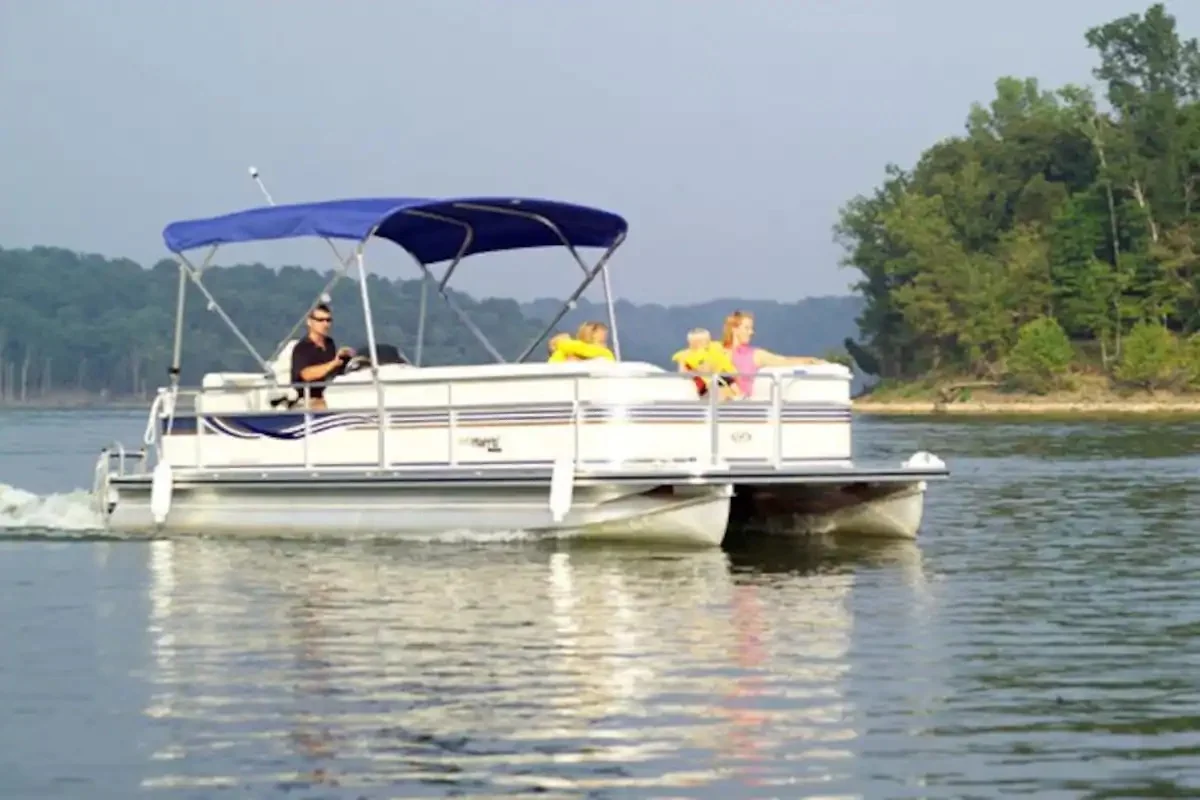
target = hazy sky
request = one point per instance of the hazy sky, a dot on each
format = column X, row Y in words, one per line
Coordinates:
column 727, row 133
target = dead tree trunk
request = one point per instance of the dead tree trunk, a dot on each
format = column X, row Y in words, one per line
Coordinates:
column 25, row 376
column 1140, row 196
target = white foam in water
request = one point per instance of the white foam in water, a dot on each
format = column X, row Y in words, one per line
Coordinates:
column 473, row 537
column 22, row 510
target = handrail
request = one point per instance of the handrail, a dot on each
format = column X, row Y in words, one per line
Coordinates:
column 150, row 437
column 116, row 450
column 101, row 474
column 713, row 405
column 797, row 373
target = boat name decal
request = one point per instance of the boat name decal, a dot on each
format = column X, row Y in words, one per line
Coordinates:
column 489, row 443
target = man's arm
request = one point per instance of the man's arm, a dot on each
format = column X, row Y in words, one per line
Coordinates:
column 316, row 373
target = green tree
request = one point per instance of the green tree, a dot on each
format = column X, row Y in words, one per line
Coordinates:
column 1041, row 359
column 1151, row 358
column 1047, row 206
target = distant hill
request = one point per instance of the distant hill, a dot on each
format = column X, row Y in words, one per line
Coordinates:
column 81, row 325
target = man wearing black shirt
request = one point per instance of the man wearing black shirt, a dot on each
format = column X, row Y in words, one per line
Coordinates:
column 316, row 358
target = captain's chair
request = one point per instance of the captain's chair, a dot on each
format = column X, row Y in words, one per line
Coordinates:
column 284, row 393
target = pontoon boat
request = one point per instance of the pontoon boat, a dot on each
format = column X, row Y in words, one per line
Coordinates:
column 598, row 449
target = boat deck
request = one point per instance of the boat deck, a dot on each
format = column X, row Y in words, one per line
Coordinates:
column 631, row 475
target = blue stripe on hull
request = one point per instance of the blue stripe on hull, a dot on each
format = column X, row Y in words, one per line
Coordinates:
column 291, row 425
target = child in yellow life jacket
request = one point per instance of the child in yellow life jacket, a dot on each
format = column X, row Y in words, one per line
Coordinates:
column 564, row 347
column 704, row 355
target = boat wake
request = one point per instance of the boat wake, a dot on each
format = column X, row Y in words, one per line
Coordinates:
column 59, row 514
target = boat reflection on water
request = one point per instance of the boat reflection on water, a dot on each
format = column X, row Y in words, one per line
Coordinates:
column 564, row 668
column 795, row 721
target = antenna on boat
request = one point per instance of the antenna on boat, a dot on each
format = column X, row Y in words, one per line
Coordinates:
column 254, row 177
column 257, row 178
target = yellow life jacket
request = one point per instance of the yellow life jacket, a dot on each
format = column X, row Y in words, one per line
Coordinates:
column 713, row 358
column 581, row 350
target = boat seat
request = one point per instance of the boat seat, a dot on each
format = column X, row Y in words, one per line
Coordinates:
column 230, row 392
column 250, row 391
column 284, row 395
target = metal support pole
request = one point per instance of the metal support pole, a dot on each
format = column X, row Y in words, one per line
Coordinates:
column 366, row 304
column 465, row 318
column 588, row 273
column 612, row 314
column 177, row 345
column 714, row 427
column 427, row 275
column 338, row 274
column 194, row 274
column 421, row 319
column 343, row 267
column 567, row 306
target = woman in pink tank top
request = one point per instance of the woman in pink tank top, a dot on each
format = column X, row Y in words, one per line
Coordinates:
column 747, row 359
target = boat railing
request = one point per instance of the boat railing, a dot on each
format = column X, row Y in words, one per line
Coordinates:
column 116, row 460
column 171, row 403
column 152, row 438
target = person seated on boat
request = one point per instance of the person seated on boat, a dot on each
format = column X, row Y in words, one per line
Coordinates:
column 316, row 359
column 703, row 355
column 587, row 344
column 747, row 359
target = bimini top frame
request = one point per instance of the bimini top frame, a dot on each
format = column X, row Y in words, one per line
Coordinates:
column 431, row 230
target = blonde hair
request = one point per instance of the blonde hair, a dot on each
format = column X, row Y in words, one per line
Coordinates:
column 731, row 322
column 590, row 331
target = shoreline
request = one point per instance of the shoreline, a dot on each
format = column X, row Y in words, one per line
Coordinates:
column 74, row 404
column 1010, row 405
column 1030, row 407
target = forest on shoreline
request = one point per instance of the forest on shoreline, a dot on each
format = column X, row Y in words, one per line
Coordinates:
column 1053, row 243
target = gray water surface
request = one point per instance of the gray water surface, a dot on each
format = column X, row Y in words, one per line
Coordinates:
column 1042, row 638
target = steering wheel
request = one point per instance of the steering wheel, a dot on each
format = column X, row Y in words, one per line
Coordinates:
column 357, row 363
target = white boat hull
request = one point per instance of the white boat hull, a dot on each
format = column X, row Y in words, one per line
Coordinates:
column 646, row 512
column 892, row 511
column 684, row 515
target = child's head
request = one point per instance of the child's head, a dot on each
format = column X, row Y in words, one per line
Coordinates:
column 593, row 333
column 699, row 338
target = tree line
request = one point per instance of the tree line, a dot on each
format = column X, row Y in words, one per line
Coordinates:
column 81, row 326
column 1057, row 235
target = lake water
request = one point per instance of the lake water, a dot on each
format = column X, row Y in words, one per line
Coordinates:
column 1042, row 638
